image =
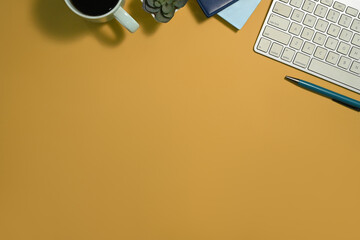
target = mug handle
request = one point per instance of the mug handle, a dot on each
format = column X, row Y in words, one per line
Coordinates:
column 126, row 20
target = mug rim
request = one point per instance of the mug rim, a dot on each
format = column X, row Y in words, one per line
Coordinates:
column 75, row 10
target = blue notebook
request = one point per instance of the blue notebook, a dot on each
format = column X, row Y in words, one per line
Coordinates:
column 238, row 13
column 212, row 7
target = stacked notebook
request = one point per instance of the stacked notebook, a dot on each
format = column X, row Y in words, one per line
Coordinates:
column 212, row 7
column 236, row 12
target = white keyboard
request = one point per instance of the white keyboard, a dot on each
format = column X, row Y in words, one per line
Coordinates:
column 320, row 37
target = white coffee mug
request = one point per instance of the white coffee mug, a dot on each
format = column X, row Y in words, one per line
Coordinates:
column 117, row 12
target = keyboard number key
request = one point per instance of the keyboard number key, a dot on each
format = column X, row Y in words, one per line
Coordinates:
column 308, row 6
column 333, row 16
column 355, row 67
column 276, row 49
column 320, row 10
column 288, row 54
column 301, row 60
column 344, row 62
column 264, row 44
column 282, row 9
column 355, row 25
column 345, row 20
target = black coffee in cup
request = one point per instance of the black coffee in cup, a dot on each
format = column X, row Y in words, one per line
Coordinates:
column 94, row 7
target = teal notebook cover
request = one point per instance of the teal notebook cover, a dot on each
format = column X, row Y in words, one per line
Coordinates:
column 238, row 13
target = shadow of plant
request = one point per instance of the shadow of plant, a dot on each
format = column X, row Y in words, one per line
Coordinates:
column 196, row 11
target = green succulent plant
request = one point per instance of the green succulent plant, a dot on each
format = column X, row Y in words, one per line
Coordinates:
column 163, row 10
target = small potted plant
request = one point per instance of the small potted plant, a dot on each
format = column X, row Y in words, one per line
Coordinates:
column 163, row 10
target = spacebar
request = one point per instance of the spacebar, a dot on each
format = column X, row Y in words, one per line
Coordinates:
column 334, row 73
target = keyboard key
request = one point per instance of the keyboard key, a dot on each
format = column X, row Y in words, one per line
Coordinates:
column 264, row 45
column 279, row 22
column 320, row 53
column 308, row 48
column 307, row 33
column 309, row 20
column 276, row 35
column 308, row 6
column 333, row 16
column 333, row 30
column 321, row 25
column 276, row 49
column 334, row 73
column 332, row 58
column 297, row 15
column 345, row 35
column 301, row 60
column 356, row 40
column 296, row 3
column 319, row 38
column 285, row 1
column 355, row 25
column 345, row 20
column 288, row 54
column 343, row 48
column 282, row 9
column 296, row 43
column 352, row 11
column 344, row 62
column 295, row 29
column 327, row 2
column 355, row 67
column 320, row 11
column 331, row 43
column 355, row 53
column 339, row 6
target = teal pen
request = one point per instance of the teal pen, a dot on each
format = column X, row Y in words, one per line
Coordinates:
column 343, row 100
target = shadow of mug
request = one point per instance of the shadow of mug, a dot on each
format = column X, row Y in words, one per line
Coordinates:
column 58, row 22
column 148, row 24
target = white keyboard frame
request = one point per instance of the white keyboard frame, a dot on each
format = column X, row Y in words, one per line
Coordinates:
column 351, row 3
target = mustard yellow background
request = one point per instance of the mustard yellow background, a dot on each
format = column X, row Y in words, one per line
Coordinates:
column 179, row 131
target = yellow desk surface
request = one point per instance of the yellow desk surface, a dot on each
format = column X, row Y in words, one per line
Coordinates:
column 179, row 131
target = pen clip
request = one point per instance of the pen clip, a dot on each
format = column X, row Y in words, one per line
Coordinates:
column 347, row 105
